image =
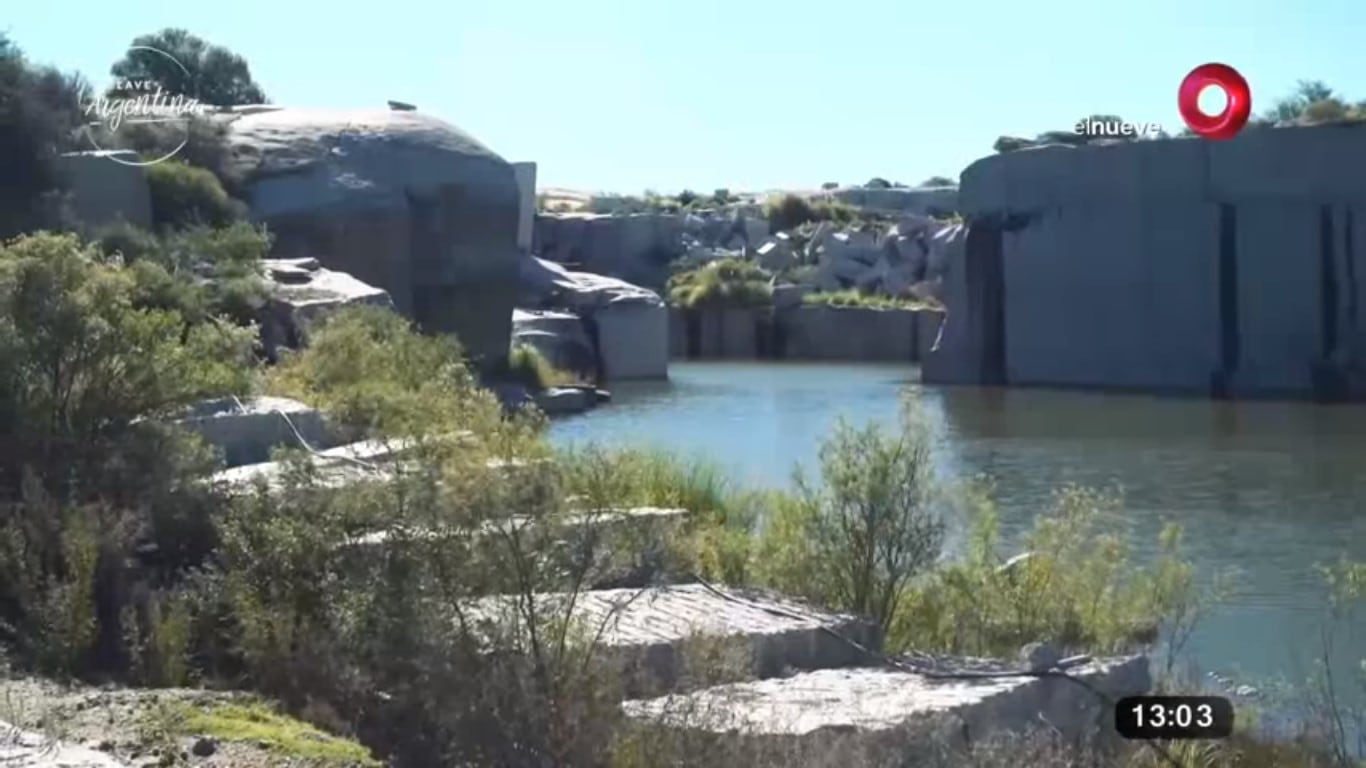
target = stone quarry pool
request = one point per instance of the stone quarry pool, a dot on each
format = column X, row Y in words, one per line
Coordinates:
column 1265, row 491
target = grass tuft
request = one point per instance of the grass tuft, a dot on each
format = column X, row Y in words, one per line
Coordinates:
column 528, row 366
column 257, row 723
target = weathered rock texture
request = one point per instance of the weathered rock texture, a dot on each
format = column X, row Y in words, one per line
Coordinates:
column 1232, row 269
column 627, row 325
column 303, row 292
column 400, row 200
column 526, row 208
column 104, row 190
column 247, row 431
column 886, row 713
column 636, row 248
column 648, row 631
column 852, row 334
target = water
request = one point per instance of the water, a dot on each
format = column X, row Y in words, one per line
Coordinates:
column 1264, row 491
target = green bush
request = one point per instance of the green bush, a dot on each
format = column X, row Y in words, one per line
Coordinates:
column 723, row 282
column 183, row 195
column 528, row 367
column 372, row 370
column 1076, row 588
column 789, row 212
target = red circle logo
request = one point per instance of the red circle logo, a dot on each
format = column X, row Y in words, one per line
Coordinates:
column 1238, row 97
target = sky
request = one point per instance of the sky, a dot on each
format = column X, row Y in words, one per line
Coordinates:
column 630, row 95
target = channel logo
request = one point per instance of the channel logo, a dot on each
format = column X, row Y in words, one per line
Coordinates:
column 1237, row 101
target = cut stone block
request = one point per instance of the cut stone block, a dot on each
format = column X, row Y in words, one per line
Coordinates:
column 896, row 714
column 246, row 431
column 649, row 633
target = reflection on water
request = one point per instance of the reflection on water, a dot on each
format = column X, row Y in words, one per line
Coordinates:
column 1265, row 491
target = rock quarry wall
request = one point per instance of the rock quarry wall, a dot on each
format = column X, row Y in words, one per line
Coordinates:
column 812, row 333
column 1228, row 269
column 400, row 200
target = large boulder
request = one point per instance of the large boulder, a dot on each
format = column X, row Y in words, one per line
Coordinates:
column 302, row 293
column 628, row 325
column 1224, row 269
column 248, row 432
column 559, row 337
column 636, row 248
column 400, row 200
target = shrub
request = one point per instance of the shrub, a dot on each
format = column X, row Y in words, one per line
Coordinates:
column 723, row 282
column 789, row 212
column 370, row 369
column 875, row 522
column 527, row 366
column 1075, row 587
column 200, row 142
column 183, row 195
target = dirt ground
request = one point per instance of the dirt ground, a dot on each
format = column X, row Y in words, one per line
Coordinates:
column 145, row 728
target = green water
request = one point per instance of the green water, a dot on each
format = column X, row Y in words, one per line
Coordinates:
column 1265, row 491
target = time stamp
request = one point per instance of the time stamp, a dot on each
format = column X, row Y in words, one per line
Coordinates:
column 1174, row 717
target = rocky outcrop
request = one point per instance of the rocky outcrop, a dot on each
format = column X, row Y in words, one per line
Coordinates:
column 636, row 248
column 627, row 325
column 560, row 337
column 816, row 333
column 400, row 200
column 302, row 293
column 1228, row 269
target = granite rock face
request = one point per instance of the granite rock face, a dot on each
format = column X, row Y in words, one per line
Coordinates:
column 1227, row 269
column 627, row 325
column 891, row 715
column 304, row 292
column 400, row 200
column 635, row 248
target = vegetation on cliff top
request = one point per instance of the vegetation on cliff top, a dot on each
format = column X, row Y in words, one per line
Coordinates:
column 723, row 282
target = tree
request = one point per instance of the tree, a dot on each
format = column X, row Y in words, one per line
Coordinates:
column 1294, row 106
column 40, row 110
column 878, row 182
column 687, row 197
column 938, row 181
column 196, row 69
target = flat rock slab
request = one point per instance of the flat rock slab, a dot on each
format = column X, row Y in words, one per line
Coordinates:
column 650, row 631
column 889, row 711
column 26, row 749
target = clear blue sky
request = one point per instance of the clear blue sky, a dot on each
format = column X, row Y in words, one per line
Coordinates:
column 625, row 95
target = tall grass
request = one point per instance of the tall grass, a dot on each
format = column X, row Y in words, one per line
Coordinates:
column 529, row 367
